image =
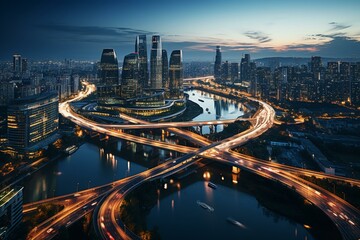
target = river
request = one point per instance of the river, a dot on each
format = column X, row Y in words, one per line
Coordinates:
column 177, row 215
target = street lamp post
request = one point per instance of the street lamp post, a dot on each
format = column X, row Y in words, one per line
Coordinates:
column 77, row 187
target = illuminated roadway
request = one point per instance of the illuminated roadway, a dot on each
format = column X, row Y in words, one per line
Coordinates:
column 67, row 112
column 333, row 207
column 172, row 124
column 344, row 215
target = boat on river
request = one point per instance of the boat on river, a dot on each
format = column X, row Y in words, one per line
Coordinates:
column 236, row 223
column 70, row 150
column 205, row 206
column 212, row 185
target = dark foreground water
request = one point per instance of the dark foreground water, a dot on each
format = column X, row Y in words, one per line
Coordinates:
column 179, row 216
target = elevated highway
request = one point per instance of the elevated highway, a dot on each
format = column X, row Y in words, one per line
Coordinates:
column 344, row 215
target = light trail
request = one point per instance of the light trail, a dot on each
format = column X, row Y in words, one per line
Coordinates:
column 108, row 219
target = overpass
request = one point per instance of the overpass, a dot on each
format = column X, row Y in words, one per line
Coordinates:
column 173, row 124
column 217, row 151
column 111, row 227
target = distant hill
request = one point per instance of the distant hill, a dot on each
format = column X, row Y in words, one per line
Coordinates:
column 295, row 61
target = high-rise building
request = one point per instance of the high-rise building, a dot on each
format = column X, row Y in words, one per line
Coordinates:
column 17, row 64
column 332, row 82
column 165, row 70
column 316, row 87
column 11, row 201
column 109, row 69
column 245, row 68
column 24, row 65
column 315, row 67
column 32, row 124
column 64, row 86
column 234, row 72
column 176, row 75
column 226, row 72
column 345, row 81
column 141, row 49
column 281, row 82
column 130, row 86
column 217, row 65
column 156, row 63
column 109, row 89
column 355, row 84
column 75, row 82
column 263, row 79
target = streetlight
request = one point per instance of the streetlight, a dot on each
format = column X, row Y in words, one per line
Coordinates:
column 77, row 187
column 89, row 183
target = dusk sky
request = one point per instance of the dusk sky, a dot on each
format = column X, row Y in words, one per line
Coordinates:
column 58, row 29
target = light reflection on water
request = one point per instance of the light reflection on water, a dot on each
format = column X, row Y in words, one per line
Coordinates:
column 214, row 108
column 180, row 217
column 93, row 164
column 89, row 163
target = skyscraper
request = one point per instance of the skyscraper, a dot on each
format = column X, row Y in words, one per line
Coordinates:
column 345, row 81
column 316, row 65
column 226, row 72
column 217, row 66
column 141, row 49
column 24, row 65
column 17, row 64
column 316, row 87
column 156, row 63
column 176, row 75
column 234, row 72
column 281, row 81
column 109, row 69
column 165, row 70
column 245, row 68
column 252, row 78
column 332, row 82
column 263, row 79
column 130, row 76
column 355, row 83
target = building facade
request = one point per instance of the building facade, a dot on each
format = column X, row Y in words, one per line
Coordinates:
column 130, row 86
column 217, row 65
column 176, row 75
column 141, row 49
column 156, row 63
column 109, row 69
column 165, row 70
column 33, row 124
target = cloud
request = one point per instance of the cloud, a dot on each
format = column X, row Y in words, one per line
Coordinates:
column 95, row 33
column 335, row 26
column 259, row 36
column 341, row 46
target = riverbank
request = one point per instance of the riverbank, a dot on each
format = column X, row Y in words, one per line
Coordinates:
column 277, row 201
column 192, row 111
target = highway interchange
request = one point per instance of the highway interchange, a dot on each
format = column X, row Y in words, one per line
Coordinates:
column 106, row 200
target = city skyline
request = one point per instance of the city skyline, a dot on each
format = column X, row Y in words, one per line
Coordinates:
column 56, row 30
